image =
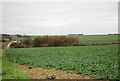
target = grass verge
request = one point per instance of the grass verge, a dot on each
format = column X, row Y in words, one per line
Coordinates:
column 10, row 71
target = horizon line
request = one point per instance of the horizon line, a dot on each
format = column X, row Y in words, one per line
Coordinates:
column 61, row 34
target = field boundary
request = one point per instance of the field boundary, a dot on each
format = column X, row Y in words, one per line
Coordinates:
column 80, row 44
column 90, row 44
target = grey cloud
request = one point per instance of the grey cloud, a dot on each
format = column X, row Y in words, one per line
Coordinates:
column 59, row 18
column 60, row 0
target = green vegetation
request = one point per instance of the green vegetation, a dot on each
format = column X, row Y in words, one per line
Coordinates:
column 52, row 41
column 0, row 64
column 100, row 62
column 70, row 40
column 94, row 38
column 46, row 41
column 97, row 38
column 1, row 43
column 10, row 71
column 17, row 38
column 85, row 38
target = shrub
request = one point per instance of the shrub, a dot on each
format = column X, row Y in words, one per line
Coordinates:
column 25, row 36
column 54, row 41
column 18, row 35
column 27, row 41
column 36, row 42
column 30, row 67
column 3, row 40
column 17, row 45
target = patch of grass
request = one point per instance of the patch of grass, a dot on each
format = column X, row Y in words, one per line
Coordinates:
column 96, row 38
column 10, row 69
column 17, row 38
column 1, row 43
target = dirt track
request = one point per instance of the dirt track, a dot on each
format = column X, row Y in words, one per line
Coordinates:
column 41, row 73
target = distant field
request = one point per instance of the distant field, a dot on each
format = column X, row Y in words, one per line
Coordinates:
column 20, row 38
column 97, row 38
column 100, row 62
column 17, row 38
column 1, row 43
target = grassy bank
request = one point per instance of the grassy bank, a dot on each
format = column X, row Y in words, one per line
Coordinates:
column 10, row 71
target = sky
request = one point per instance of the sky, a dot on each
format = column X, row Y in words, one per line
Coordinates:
column 59, row 18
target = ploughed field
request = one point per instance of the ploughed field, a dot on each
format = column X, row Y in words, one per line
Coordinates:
column 100, row 62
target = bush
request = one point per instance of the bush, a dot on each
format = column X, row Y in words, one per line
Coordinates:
column 18, row 35
column 54, row 41
column 3, row 40
column 30, row 67
column 27, row 41
column 17, row 45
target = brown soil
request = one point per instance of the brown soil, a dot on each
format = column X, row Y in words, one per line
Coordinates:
column 0, row 47
column 41, row 73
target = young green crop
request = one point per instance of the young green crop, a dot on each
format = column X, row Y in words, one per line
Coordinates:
column 97, row 38
column 100, row 62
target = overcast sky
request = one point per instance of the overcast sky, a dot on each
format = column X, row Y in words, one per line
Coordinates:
column 54, row 18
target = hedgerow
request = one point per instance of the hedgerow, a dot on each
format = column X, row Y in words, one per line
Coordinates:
column 46, row 41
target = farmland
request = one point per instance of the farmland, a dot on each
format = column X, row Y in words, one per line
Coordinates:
column 100, row 62
column 94, row 38
column 86, row 38
column 66, row 40
column 97, row 38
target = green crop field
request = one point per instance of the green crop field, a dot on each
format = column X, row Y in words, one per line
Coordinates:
column 1, row 43
column 97, row 38
column 17, row 38
column 100, row 62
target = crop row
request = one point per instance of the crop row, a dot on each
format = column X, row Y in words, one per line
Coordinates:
column 100, row 62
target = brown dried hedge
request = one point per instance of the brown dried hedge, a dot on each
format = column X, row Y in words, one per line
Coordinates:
column 49, row 41
column 46, row 41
